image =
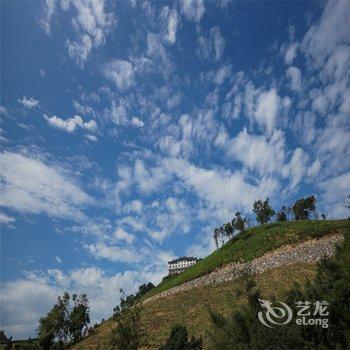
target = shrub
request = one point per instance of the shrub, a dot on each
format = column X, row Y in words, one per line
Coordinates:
column 178, row 340
column 129, row 332
column 243, row 330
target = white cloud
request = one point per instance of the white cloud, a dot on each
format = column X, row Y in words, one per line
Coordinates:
column 294, row 74
column 222, row 74
column 157, row 52
column 29, row 185
column 296, row 168
column 144, row 178
column 332, row 145
column 332, row 30
column 267, row 109
column 3, row 110
column 28, row 102
column 221, row 189
column 212, row 47
column 171, row 20
column 113, row 253
column 5, row 219
column 92, row 23
column 173, row 215
column 218, row 42
column 92, row 138
column 133, row 206
column 48, row 12
column 192, row 9
column 314, row 168
column 69, row 125
column 257, row 152
column 137, row 122
column 122, row 235
column 121, row 73
column 304, row 127
column 334, row 190
column 320, row 101
column 80, row 50
column 149, row 180
column 345, row 106
column 25, row 300
column 291, row 53
column 23, row 303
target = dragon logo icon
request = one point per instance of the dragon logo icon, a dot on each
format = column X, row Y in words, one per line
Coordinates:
column 274, row 315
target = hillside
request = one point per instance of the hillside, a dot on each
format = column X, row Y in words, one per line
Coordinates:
column 191, row 306
column 253, row 243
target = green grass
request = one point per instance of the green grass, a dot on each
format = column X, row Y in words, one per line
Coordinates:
column 254, row 243
column 190, row 308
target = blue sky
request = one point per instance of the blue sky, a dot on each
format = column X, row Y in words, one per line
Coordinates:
column 130, row 130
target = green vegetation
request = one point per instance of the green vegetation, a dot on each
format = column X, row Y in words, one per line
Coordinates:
column 304, row 207
column 190, row 308
column 129, row 332
column 253, row 243
column 242, row 329
column 131, row 299
column 263, row 211
column 178, row 340
column 64, row 322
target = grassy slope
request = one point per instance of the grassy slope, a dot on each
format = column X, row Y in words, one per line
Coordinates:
column 254, row 243
column 190, row 307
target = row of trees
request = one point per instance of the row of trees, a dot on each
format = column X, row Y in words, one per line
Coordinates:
column 302, row 209
column 132, row 298
column 67, row 321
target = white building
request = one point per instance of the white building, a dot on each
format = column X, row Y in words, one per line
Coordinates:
column 181, row 264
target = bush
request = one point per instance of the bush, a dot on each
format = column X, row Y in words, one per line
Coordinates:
column 243, row 330
column 178, row 340
column 129, row 332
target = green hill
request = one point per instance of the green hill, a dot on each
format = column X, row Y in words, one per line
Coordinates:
column 191, row 307
column 253, row 243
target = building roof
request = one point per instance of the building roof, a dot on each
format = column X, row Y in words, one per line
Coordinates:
column 182, row 258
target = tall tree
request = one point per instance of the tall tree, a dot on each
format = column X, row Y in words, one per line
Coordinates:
column 55, row 324
column 64, row 322
column 283, row 213
column 79, row 317
column 263, row 211
column 228, row 230
column 239, row 222
column 347, row 201
column 304, row 207
column 129, row 332
column 216, row 237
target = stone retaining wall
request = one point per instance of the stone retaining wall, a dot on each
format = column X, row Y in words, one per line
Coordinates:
column 307, row 252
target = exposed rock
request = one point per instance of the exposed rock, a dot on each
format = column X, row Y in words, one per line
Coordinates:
column 310, row 252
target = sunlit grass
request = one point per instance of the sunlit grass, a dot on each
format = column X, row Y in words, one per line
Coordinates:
column 253, row 243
